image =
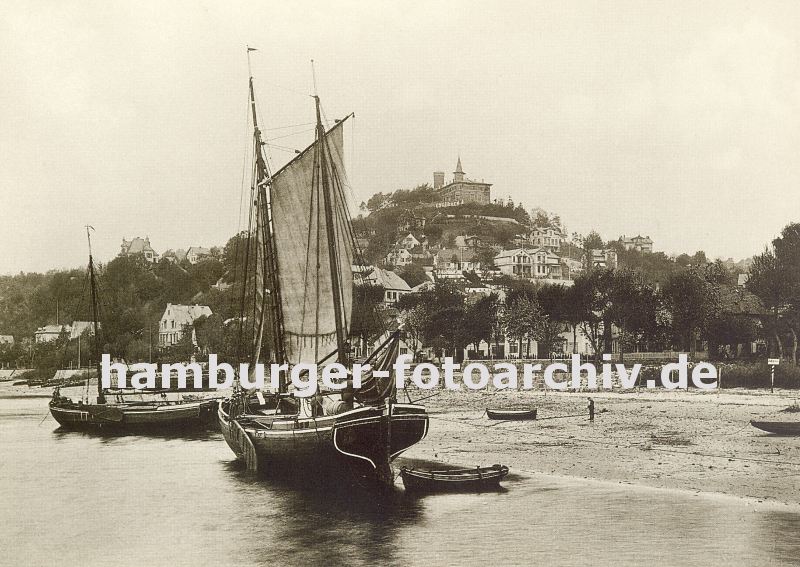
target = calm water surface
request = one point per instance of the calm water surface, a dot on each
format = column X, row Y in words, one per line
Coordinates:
column 78, row 499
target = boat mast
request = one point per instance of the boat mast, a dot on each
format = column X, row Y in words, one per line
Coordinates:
column 333, row 252
column 267, row 285
column 101, row 398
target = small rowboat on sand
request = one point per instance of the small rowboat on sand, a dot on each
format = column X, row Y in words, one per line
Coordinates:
column 460, row 480
column 778, row 427
column 511, row 414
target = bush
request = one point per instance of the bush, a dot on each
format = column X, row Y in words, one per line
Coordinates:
column 739, row 375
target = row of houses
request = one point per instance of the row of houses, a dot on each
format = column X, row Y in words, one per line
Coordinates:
column 141, row 246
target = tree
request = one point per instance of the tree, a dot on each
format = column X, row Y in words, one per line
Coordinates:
column 632, row 306
column 593, row 241
column 481, row 319
column 692, row 302
column 523, row 320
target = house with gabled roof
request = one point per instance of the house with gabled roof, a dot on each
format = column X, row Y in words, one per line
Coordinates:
column 394, row 287
column 138, row 245
column 178, row 319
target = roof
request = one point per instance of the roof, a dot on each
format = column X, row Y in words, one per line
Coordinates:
column 51, row 330
column 388, row 280
column 739, row 301
column 186, row 314
column 7, row 339
column 79, row 327
column 458, row 166
column 529, row 252
column 445, row 255
column 137, row 245
column 198, row 250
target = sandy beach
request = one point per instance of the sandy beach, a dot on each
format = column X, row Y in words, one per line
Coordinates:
column 686, row 440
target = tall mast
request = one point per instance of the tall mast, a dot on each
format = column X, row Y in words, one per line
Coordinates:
column 333, row 252
column 268, row 297
column 101, row 398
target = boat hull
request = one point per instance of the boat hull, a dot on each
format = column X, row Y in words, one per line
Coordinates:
column 122, row 417
column 459, row 480
column 512, row 415
column 360, row 442
column 778, row 427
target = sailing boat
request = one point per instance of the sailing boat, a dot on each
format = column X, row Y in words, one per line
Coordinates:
column 302, row 301
column 160, row 414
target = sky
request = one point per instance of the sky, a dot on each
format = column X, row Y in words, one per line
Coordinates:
column 677, row 120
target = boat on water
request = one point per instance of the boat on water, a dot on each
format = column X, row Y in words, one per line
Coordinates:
column 299, row 296
column 511, row 414
column 778, row 427
column 454, row 480
column 110, row 411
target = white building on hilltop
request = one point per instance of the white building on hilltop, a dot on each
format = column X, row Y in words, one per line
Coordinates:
column 176, row 318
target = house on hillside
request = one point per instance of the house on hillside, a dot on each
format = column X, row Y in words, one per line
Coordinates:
column 176, row 318
column 394, row 287
column 451, row 262
column 49, row 333
column 398, row 257
column 638, row 242
column 6, row 340
column 549, row 238
column 197, row 253
column 571, row 267
column 473, row 242
column 601, row 258
column 461, row 190
column 139, row 245
column 79, row 327
column 539, row 263
column 408, row 221
column 174, row 256
column 408, row 242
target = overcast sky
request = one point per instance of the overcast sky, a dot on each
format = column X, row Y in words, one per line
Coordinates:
column 670, row 119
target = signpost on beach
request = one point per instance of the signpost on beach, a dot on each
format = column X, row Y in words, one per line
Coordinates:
column 773, row 362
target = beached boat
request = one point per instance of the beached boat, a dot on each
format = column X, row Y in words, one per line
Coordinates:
column 460, row 480
column 298, row 289
column 511, row 414
column 157, row 414
column 778, row 427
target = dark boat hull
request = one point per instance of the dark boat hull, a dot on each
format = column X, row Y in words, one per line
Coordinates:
column 778, row 427
column 513, row 415
column 135, row 417
column 458, row 480
column 360, row 442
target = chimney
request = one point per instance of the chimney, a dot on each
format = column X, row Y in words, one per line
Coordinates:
column 438, row 179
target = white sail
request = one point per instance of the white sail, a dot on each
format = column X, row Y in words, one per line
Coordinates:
column 303, row 250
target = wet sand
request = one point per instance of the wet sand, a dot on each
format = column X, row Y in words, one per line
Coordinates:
column 687, row 440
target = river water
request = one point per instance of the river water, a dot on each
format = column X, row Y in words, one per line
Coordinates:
column 79, row 499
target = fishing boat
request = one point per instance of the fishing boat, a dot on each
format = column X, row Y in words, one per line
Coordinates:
column 778, row 427
column 299, row 305
column 152, row 412
column 511, row 414
column 454, row 480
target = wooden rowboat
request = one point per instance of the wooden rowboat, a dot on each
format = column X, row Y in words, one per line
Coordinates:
column 778, row 427
column 511, row 414
column 460, row 480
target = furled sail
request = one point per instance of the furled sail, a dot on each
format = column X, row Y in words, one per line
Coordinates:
column 303, row 249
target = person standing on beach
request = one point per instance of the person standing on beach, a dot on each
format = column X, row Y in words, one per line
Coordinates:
column 591, row 409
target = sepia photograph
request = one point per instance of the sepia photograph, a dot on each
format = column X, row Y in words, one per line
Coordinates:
column 366, row 283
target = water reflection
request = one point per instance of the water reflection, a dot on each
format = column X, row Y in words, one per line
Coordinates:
column 80, row 498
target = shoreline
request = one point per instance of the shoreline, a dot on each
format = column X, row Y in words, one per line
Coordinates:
column 693, row 442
